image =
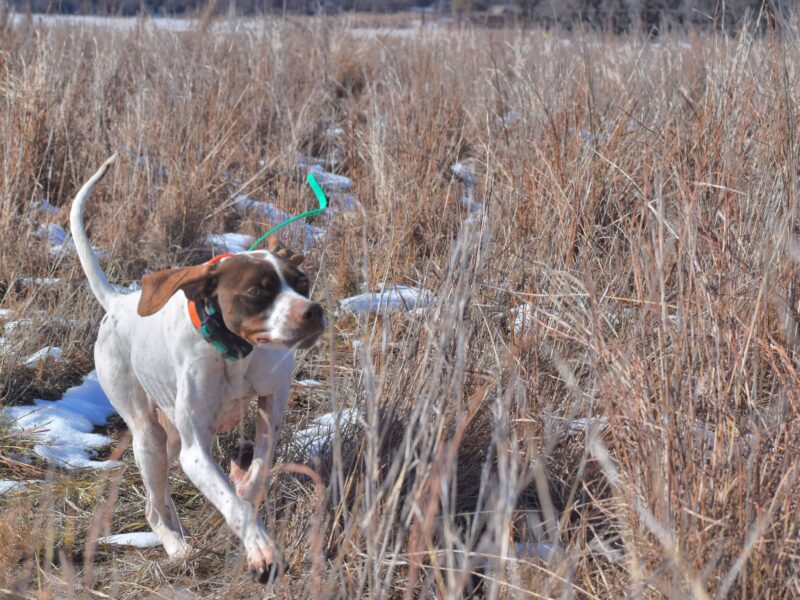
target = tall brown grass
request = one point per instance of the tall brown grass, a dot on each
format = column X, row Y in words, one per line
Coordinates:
column 641, row 196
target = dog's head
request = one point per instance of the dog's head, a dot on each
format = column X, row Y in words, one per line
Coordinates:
column 262, row 294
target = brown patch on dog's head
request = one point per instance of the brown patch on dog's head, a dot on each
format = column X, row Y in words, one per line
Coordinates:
column 262, row 295
column 283, row 252
column 159, row 287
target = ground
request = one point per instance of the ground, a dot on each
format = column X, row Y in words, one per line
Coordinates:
column 573, row 373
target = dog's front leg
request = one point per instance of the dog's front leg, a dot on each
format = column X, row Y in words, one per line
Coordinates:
column 194, row 420
column 253, row 485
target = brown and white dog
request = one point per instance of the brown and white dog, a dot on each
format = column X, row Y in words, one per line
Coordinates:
column 176, row 391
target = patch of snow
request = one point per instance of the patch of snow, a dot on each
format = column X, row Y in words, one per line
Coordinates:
column 71, row 457
column 230, row 242
column 511, row 117
column 306, row 162
column 5, row 313
column 106, row 23
column 334, row 131
column 134, row 286
column 64, row 427
column 10, row 326
column 588, row 136
column 139, row 539
column 541, row 550
column 308, row 383
column 11, row 486
column 343, row 201
column 158, row 169
column 470, row 204
column 526, row 314
column 48, row 352
column 332, row 158
column 54, row 233
column 464, row 172
column 584, row 423
column 331, row 181
column 317, row 436
column 377, row 32
column 40, row 281
column 265, row 210
column 26, row 460
column 299, row 231
column 44, row 206
column 59, row 240
column 389, row 299
column 87, row 399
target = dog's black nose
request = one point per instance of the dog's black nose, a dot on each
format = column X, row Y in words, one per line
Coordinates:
column 312, row 312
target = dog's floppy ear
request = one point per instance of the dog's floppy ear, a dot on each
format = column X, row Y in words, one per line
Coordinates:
column 158, row 287
column 279, row 249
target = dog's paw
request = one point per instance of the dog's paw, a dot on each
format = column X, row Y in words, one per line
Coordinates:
column 177, row 547
column 264, row 559
column 181, row 555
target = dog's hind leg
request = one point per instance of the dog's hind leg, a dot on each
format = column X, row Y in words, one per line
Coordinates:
column 149, row 446
column 173, row 451
column 150, row 451
column 173, row 439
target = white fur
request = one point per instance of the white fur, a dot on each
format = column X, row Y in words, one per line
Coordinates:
column 159, row 363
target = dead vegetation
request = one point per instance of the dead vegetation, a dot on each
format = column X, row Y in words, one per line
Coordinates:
column 635, row 436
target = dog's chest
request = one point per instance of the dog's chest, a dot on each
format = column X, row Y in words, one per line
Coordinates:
column 232, row 413
column 266, row 373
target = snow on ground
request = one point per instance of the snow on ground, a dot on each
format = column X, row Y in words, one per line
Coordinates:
column 230, row 242
column 331, row 181
column 345, row 202
column 56, row 236
column 44, row 206
column 244, row 24
column 337, row 187
column 115, row 23
column 64, row 427
column 308, row 383
column 139, row 539
column 40, row 281
column 299, row 231
column 306, row 162
column 10, row 326
column 156, row 168
column 541, row 550
column 464, row 173
column 315, row 438
column 134, row 286
column 59, row 240
column 585, row 423
column 11, row 486
column 48, row 352
column 389, row 299
column 526, row 314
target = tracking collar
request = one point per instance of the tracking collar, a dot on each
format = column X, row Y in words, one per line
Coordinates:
column 206, row 317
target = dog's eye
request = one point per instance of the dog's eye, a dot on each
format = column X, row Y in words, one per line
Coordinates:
column 301, row 285
column 256, row 292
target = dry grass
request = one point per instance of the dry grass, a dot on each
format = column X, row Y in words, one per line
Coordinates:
column 643, row 197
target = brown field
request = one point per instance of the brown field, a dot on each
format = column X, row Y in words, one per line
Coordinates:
column 641, row 196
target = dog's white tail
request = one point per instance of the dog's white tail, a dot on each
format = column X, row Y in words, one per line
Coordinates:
column 98, row 282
